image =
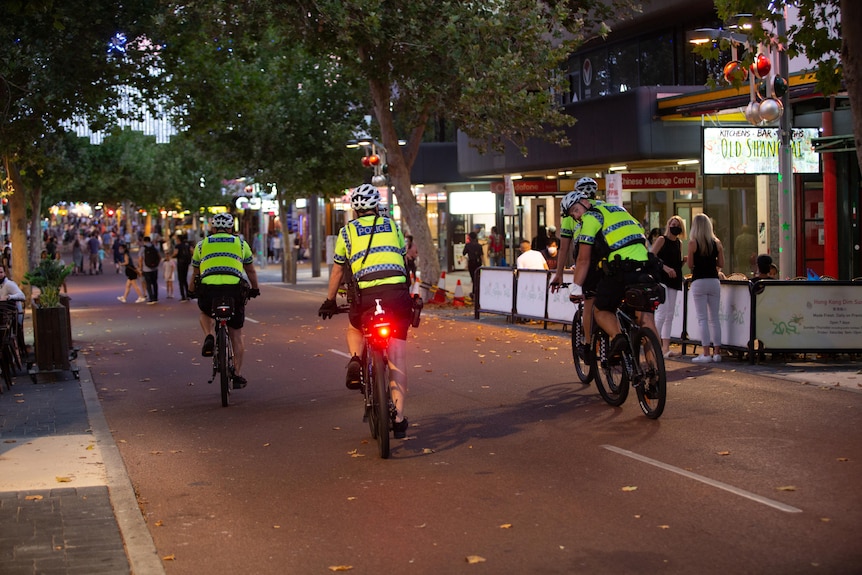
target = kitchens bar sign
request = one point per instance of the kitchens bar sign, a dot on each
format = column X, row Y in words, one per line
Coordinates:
column 755, row 151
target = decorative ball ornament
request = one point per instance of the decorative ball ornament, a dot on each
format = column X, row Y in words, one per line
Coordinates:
column 373, row 159
column 771, row 109
column 734, row 71
column 378, row 181
column 366, row 162
column 761, row 66
column 761, row 89
column 779, row 86
column 752, row 113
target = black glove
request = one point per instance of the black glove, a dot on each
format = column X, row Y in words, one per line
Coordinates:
column 328, row 309
column 253, row 292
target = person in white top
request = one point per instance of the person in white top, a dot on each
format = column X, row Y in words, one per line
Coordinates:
column 531, row 259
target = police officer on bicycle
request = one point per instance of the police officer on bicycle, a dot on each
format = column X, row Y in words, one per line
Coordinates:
column 612, row 237
column 371, row 249
column 223, row 265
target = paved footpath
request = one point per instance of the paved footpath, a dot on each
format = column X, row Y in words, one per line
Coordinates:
column 66, row 503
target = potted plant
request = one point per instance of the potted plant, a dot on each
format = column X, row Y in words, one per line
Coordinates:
column 52, row 330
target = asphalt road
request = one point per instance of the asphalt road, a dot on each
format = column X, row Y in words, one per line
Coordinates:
column 509, row 465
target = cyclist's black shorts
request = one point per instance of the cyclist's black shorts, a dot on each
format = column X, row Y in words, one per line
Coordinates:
column 395, row 299
column 592, row 282
column 612, row 289
column 208, row 293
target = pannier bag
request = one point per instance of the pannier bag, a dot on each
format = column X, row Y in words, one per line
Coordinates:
column 645, row 297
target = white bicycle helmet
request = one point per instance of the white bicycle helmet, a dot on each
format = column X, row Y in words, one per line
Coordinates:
column 365, row 197
column 587, row 186
column 570, row 200
column 222, row 221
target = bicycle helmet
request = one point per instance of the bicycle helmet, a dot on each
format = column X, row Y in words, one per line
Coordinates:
column 222, row 221
column 587, row 186
column 570, row 200
column 364, row 198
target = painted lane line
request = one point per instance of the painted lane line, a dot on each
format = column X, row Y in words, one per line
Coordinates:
column 251, row 320
column 730, row 488
column 342, row 353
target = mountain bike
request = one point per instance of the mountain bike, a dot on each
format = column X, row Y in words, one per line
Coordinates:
column 379, row 408
column 639, row 363
column 222, row 311
column 584, row 364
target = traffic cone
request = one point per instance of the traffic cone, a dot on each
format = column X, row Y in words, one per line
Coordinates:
column 440, row 294
column 459, row 296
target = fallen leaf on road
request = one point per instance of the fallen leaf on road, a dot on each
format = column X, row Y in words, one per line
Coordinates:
column 33, row 498
column 144, row 379
column 506, row 526
column 664, row 526
column 63, row 479
column 630, row 488
column 340, row 567
column 472, row 559
column 155, row 452
column 159, row 523
column 825, row 519
column 266, row 444
column 276, row 526
column 427, row 451
column 786, row 488
column 10, row 441
column 170, row 557
column 843, row 459
column 723, row 453
column 90, row 447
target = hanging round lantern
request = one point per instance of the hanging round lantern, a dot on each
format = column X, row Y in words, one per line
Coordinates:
column 761, row 66
column 378, row 181
column 752, row 113
column 761, row 89
column 771, row 109
column 366, row 162
column 734, row 72
column 779, row 86
column 373, row 159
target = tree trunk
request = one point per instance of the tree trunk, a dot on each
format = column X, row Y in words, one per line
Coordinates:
column 18, row 228
column 400, row 163
column 851, row 32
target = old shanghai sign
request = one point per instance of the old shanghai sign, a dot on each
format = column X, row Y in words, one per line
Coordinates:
column 755, row 151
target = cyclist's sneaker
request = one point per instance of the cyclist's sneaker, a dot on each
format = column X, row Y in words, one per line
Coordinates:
column 651, row 391
column 399, row 428
column 354, row 373
column 617, row 346
column 239, row 382
column 209, row 346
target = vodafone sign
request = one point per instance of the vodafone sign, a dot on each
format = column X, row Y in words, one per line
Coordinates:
column 659, row 181
column 542, row 187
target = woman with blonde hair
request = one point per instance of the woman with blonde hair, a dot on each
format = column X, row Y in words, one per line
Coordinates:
column 668, row 248
column 705, row 259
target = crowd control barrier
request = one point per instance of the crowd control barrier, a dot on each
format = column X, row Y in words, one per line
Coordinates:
column 767, row 316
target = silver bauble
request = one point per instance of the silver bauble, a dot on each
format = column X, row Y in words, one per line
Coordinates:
column 771, row 109
column 378, row 181
column 752, row 113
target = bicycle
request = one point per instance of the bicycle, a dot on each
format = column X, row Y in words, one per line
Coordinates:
column 223, row 358
column 639, row 364
column 379, row 408
column 584, row 365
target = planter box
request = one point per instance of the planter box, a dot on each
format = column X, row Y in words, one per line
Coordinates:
column 51, row 339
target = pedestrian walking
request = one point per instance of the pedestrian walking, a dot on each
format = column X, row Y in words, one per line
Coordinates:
column 149, row 260
column 705, row 259
column 475, row 255
column 132, row 275
column 183, row 256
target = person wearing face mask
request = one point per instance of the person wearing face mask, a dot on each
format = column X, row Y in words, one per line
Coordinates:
column 550, row 253
column 668, row 248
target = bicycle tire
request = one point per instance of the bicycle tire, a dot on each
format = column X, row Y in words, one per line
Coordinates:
column 651, row 388
column 610, row 377
column 224, row 373
column 583, row 366
column 380, row 412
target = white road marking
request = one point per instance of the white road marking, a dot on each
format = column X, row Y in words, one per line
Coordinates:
column 251, row 320
column 735, row 490
column 339, row 352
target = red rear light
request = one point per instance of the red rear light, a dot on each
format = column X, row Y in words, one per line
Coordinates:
column 383, row 331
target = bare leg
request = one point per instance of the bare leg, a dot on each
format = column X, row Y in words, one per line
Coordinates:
column 238, row 349
column 398, row 383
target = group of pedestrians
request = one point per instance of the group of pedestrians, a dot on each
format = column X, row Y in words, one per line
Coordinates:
column 173, row 260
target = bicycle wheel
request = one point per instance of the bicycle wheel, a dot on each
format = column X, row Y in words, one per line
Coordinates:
column 651, row 384
column 224, row 373
column 583, row 366
column 609, row 374
column 380, row 411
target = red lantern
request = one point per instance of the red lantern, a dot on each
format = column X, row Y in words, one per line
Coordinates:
column 761, row 66
column 373, row 159
column 733, row 71
column 366, row 162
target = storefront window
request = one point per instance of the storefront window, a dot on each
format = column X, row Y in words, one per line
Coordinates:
column 731, row 203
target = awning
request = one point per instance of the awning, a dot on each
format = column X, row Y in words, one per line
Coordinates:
column 828, row 144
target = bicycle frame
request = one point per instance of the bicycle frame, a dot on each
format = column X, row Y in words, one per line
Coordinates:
column 223, row 354
column 379, row 409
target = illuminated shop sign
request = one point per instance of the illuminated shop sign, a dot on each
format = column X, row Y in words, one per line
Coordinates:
column 659, row 180
column 755, row 151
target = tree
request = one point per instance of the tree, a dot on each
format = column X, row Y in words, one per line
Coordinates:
column 260, row 102
column 60, row 61
column 829, row 34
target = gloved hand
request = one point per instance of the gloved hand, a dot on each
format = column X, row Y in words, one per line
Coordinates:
column 328, row 309
column 253, row 292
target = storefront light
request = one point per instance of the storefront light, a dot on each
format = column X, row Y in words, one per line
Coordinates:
column 617, row 168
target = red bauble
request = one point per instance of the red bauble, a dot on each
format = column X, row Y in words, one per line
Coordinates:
column 733, row 71
column 366, row 162
column 761, row 66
